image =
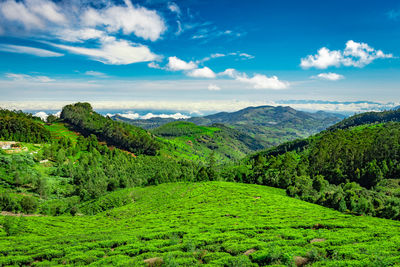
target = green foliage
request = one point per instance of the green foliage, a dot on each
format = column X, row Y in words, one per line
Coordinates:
column 367, row 118
column 341, row 169
column 18, row 126
column 131, row 138
column 186, row 140
column 214, row 223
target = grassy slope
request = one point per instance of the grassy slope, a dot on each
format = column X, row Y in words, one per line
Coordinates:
column 60, row 129
column 190, row 141
column 212, row 223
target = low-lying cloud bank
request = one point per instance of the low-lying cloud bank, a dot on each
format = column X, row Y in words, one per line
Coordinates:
column 135, row 116
column 180, row 108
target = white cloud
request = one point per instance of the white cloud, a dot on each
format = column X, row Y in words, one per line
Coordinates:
column 363, row 53
column 141, row 21
column 329, row 76
column 114, row 52
column 258, row 81
column 176, row 64
column 213, row 87
column 130, row 115
column 154, row 65
column 173, row 7
column 42, row 115
column 80, row 35
column 245, row 55
column 26, row 77
column 204, row 72
column 216, row 55
column 323, row 60
column 47, row 10
column 95, row 73
column 205, row 106
column 32, row 14
column 19, row 13
column 355, row 54
column 29, row 50
column 175, row 116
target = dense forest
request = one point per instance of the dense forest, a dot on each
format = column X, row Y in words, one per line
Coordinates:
column 125, row 136
column 367, row 118
column 354, row 170
column 18, row 126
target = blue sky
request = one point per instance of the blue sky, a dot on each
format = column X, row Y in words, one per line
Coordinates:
column 199, row 55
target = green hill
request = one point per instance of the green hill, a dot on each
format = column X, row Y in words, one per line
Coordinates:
column 187, row 140
column 18, row 126
column 267, row 124
column 355, row 169
column 214, row 223
column 134, row 139
column 368, row 118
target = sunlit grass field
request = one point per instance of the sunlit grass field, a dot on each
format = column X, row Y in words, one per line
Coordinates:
column 212, row 223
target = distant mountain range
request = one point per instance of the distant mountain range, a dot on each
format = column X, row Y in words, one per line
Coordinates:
column 269, row 125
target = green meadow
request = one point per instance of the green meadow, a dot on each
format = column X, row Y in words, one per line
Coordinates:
column 210, row 223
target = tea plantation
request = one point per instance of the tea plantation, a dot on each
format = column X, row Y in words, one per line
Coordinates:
column 210, row 223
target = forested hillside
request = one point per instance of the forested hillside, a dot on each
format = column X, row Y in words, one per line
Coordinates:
column 131, row 138
column 202, row 142
column 268, row 125
column 353, row 170
column 367, row 118
column 18, row 126
column 73, row 178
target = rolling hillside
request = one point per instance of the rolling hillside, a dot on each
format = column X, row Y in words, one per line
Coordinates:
column 368, row 118
column 215, row 223
column 354, row 169
column 186, row 139
column 269, row 125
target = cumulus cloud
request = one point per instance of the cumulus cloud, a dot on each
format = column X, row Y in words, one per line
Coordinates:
column 26, row 77
column 175, row 116
column 32, row 14
column 213, row 87
column 204, row 72
column 330, row 76
column 130, row 115
column 141, row 21
column 176, row 64
column 355, row 54
column 114, row 52
column 29, row 50
column 42, row 115
column 258, row 81
column 81, row 22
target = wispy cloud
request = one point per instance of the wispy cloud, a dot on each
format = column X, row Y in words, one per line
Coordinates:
column 204, row 106
column 113, row 52
column 355, row 54
column 29, row 50
column 258, row 81
column 213, row 87
column 108, row 27
column 26, row 77
column 96, row 74
column 393, row 14
column 330, row 76
column 174, row 8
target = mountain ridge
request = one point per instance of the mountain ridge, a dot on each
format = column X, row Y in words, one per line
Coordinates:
column 267, row 124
